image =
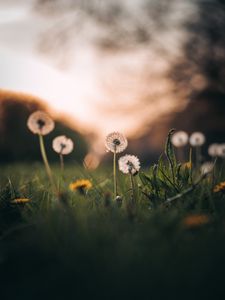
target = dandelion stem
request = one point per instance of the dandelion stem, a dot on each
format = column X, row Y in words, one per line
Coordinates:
column 198, row 156
column 132, row 187
column 61, row 162
column 180, row 154
column 114, row 174
column 45, row 160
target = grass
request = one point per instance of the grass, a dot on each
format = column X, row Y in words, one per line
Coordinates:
column 170, row 243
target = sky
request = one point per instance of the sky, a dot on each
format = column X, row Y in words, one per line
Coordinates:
column 101, row 91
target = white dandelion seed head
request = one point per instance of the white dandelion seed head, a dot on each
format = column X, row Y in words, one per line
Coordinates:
column 129, row 164
column 116, row 142
column 40, row 123
column 221, row 150
column 179, row 139
column 207, row 167
column 213, row 150
column 62, row 145
column 197, row 139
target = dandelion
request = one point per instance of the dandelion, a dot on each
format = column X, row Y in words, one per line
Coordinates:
column 20, row 200
column 207, row 167
column 221, row 150
column 80, row 185
column 130, row 164
column 193, row 221
column 197, row 139
column 219, row 187
column 179, row 139
column 213, row 150
column 40, row 123
column 62, row 145
column 115, row 142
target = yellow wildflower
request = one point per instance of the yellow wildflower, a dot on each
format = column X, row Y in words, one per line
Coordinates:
column 196, row 220
column 219, row 187
column 187, row 165
column 20, row 200
column 80, row 185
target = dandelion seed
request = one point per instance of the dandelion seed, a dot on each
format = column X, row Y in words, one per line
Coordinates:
column 20, row 200
column 40, row 123
column 119, row 201
column 221, row 150
column 207, row 167
column 213, row 150
column 116, row 142
column 62, row 145
column 129, row 164
column 80, row 185
column 179, row 139
column 197, row 139
column 219, row 187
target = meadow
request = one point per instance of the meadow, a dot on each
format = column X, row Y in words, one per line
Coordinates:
column 141, row 233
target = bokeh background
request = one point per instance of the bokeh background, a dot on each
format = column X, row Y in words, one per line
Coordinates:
column 137, row 66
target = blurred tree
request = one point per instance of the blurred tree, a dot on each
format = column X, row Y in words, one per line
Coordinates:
column 201, row 70
column 17, row 143
column 119, row 24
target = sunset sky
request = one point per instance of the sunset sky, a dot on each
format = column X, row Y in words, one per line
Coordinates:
column 102, row 90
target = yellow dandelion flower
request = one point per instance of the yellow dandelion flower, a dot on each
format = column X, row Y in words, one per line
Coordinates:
column 187, row 165
column 219, row 187
column 196, row 220
column 80, row 185
column 20, row 200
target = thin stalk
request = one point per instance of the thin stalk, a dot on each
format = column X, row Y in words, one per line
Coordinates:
column 61, row 162
column 213, row 173
column 180, row 154
column 132, row 188
column 45, row 160
column 114, row 174
column 191, row 166
column 198, row 156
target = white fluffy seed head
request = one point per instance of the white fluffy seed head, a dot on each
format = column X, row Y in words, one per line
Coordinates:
column 62, row 145
column 116, row 142
column 197, row 139
column 129, row 164
column 213, row 150
column 179, row 139
column 40, row 123
column 221, row 150
column 207, row 167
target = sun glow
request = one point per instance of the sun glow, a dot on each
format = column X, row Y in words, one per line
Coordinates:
column 97, row 90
